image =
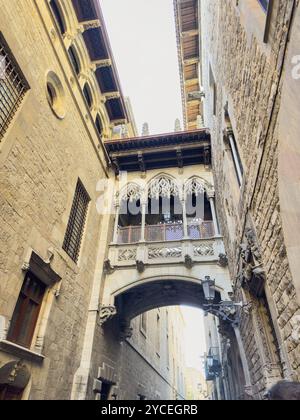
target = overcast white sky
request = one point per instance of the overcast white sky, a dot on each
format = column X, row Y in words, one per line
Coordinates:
column 143, row 38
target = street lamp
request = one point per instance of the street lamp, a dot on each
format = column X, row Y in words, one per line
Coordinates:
column 225, row 310
column 209, row 289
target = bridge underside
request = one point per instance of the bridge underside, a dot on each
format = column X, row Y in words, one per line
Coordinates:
column 158, row 294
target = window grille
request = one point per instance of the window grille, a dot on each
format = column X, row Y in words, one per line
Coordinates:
column 13, row 86
column 75, row 229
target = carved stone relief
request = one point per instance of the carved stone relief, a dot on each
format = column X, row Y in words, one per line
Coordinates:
column 128, row 254
column 204, row 250
column 106, row 313
column 160, row 253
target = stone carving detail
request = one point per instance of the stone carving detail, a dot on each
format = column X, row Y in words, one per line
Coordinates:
column 163, row 187
column 194, row 186
column 223, row 260
column 140, row 266
column 91, row 25
column 106, row 313
column 251, row 270
column 108, row 268
column 128, row 254
column 159, row 253
column 132, row 192
column 188, row 262
column 204, row 250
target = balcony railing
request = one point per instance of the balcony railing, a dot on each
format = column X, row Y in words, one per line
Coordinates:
column 165, row 232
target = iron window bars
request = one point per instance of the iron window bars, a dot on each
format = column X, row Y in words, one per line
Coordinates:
column 13, row 86
column 75, row 229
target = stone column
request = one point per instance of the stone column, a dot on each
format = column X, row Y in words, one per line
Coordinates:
column 144, row 204
column 246, row 371
column 211, row 197
column 116, row 228
column 185, row 222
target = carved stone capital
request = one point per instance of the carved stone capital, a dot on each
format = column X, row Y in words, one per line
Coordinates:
column 211, row 193
column 106, row 313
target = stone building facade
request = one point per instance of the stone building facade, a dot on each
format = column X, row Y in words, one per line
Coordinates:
column 250, row 78
column 81, row 289
column 60, row 98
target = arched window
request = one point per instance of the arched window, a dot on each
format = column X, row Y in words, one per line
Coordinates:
column 99, row 125
column 58, row 16
column 74, row 59
column 88, row 95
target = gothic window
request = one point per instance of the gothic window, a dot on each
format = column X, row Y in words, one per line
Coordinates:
column 99, row 125
column 75, row 229
column 163, row 187
column 27, row 310
column 13, row 86
column 74, row 59
column 58, row 15
column 88, row 95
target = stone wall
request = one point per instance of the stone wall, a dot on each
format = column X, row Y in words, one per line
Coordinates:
column 41, row 160
column 248, row 75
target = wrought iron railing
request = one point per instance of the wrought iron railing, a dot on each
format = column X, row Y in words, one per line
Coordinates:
column 129, row 235
column 165, row 232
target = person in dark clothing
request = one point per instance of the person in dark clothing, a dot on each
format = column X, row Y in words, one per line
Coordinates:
column 284, row 390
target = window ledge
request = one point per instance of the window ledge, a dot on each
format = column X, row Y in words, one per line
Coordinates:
column 21, row 352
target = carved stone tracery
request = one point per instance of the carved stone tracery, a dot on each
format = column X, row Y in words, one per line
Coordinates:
column 163, row 187
column 158, row 253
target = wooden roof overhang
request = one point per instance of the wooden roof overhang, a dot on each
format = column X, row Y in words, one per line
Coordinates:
column 160, row 151
column 188, row 43
column 96, row 39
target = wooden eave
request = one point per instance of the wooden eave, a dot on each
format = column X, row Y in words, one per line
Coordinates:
column 96, row 39
column 188, row 40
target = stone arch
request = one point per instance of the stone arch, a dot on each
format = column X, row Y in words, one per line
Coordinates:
column 197, row 185
column 59, row 12
column 155, row 293
column 82, row 51
column 71, row 18
column 163, row 185
column 130, row 192
column 75, row 58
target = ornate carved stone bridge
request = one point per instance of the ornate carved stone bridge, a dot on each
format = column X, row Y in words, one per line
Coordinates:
column 161, row 258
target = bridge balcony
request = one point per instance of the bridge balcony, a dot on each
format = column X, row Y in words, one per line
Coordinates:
column 166, row 244
column 165, row 232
